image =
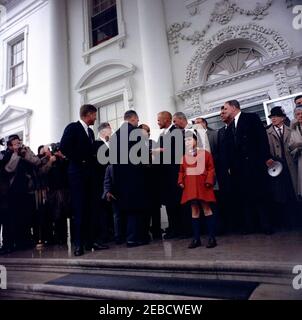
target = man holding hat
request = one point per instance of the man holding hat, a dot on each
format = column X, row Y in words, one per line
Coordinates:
column 284, row 186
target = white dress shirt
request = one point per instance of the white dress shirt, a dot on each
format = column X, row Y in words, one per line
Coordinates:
column 279, row 130
column 237, row 118
column 105, row 141
column 84, row 126
column 167, row 129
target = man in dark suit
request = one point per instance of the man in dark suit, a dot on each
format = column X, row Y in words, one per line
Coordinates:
column 169, row 168
column 103, row 213
column 248, row 158
column 77, row 144
column 227, row 211
column 128, row 172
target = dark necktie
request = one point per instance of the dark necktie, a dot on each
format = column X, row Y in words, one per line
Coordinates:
column 91, row 136
column 233, row 129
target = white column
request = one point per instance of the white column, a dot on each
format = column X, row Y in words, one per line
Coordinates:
column 59, row 70
column 156, row 60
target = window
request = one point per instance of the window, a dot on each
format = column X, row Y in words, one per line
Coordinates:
column 234, row 61
column 16, row 63
column 14, row 74
column 215, row 122
column 112, row 113
column 104, row 24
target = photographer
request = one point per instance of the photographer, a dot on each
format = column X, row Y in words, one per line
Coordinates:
column 19, row 165
column 57, row 193
column 42, row 220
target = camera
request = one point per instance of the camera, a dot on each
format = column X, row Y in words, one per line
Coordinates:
column 54, row 148
column 22, row 151
column 2, row 142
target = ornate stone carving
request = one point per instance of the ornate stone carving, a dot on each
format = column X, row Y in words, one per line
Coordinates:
column 174, row 34
column 222, row 14
column 295, row 88
column 271, row 41
column 193, row 6
column 281, row 80
column 192, row 104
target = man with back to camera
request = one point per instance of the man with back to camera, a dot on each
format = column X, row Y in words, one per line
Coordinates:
column 77, row 144
column 129, row 184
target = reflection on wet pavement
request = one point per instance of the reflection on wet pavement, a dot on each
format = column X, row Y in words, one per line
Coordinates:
column 283, row 247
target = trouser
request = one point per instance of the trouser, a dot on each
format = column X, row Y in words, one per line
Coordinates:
column 17, row 221
column 83, row 200
column 155, row 221
column 134, row 225
column 119, row 221
column 174, row 213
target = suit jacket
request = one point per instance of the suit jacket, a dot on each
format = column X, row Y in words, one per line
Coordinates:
column 129, row 178
column 213, row 140
column 247, row 153
column 100, row 168
column 77, row 146
column 221, row 164
column 170, row 191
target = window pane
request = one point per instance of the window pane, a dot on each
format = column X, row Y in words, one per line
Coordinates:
column 113, row 125
column 104, row 24
column 233, row 61
column 120, row 121
column 120, row 109
column 111, row 112
column 103, row 114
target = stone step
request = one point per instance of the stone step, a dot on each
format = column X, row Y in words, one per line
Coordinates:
column 31, row 278
column 262, row 272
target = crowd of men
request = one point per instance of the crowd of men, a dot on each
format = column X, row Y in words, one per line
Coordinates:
column 112, row 188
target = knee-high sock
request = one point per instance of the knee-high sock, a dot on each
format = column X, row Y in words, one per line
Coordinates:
column 210, row 221
column 196, row 228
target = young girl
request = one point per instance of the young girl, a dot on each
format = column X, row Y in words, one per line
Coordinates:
column 196, row 177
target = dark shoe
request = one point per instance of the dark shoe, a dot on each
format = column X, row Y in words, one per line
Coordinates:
column 170, row 235
column 133, row 244
column 211, row 243
column 157, row 236
column 184, row 236
column 119, row 241
column 194, row 244
column 144, row 242
column 5, row 250
column 78, row 251
column 96, row 246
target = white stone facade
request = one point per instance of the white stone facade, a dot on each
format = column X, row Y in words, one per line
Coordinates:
column 161, row 59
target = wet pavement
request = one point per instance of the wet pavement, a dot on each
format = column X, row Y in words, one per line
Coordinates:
column 279, row 247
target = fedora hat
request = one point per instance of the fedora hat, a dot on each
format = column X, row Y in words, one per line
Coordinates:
column 277, row 112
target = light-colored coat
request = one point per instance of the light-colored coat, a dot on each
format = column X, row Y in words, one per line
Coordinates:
column 295, row 146
column 276, row 151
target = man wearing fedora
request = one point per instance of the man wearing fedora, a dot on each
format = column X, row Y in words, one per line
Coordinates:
column 283, row 186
